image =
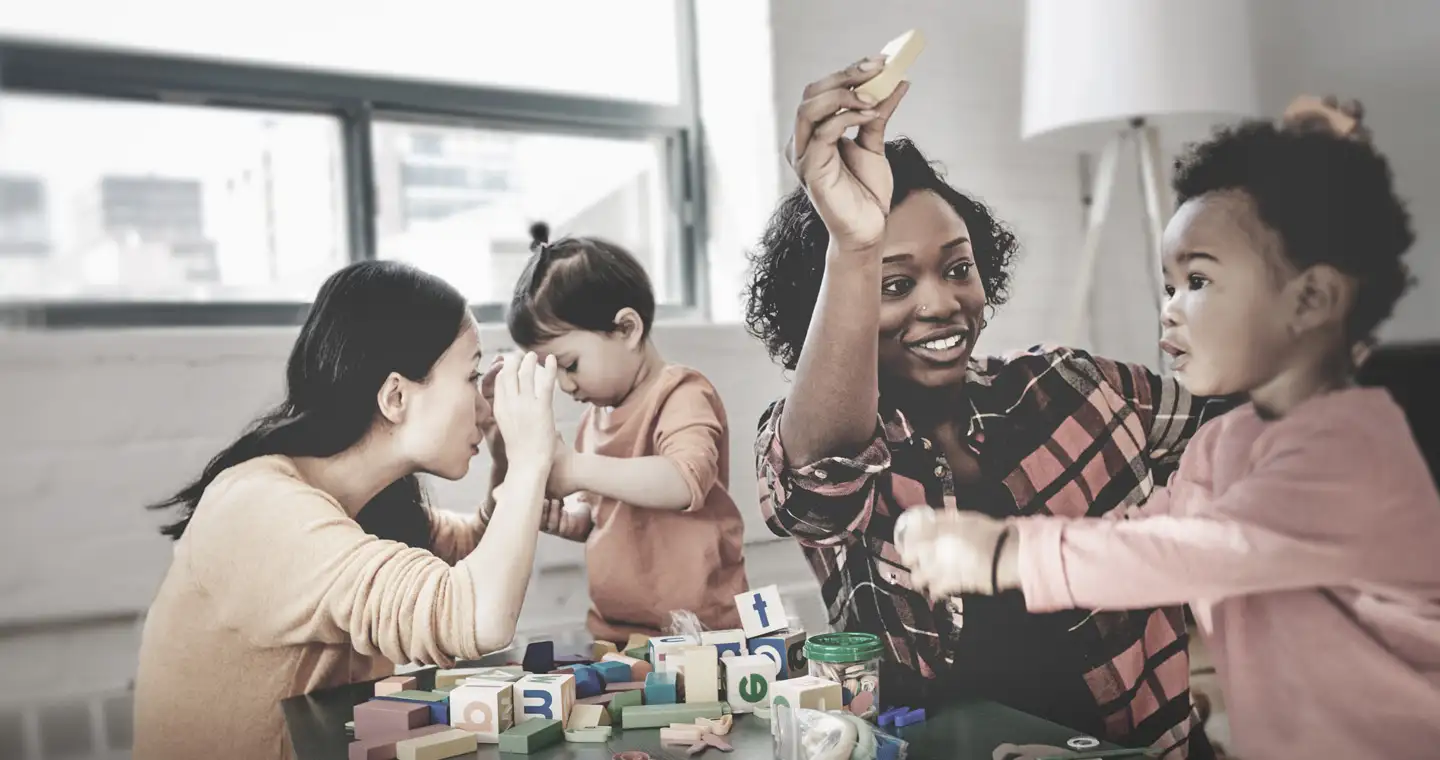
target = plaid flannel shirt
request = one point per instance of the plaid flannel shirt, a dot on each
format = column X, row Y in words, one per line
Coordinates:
column 1055, row 432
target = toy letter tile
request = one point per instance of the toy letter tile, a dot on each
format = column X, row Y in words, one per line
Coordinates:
column 761, row 611
column 808, row 692
column 484, row 709
column 548, row 697
column 661, row 647
column 748, row 681
column 729, row 643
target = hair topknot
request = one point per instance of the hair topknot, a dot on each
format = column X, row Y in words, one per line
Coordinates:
column 539, row 235
column 1331, row 200
column 788, row 264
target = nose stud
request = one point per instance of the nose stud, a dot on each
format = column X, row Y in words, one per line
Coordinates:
column 924, row 308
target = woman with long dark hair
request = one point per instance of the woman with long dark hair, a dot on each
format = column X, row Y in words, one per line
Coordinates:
column 305, row 555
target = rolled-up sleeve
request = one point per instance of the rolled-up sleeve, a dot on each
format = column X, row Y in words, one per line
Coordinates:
column 821, row 503
column 690, row 432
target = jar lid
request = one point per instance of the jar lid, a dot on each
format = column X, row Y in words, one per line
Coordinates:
column 843, row 647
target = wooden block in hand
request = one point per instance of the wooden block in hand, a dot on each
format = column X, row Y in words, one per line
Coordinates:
column 547, row 697
column 729, row 642
column 622, row 700
column 439, row 703
column 661, row 688
column 436, row 746
column 587, row 716
column 532, row 736
column 486, row 709
column 899, row 54
column 393, row 684
column 380, row 717
column 748, row 681
column 702, row 673
column 808, row 692
column 611, row 671
column 599, row 649
column 761, row 611
column 383, row 748
column 655, row 716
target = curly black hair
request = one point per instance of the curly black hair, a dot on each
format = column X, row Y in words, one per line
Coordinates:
column 1331, row 200
column 787, row 266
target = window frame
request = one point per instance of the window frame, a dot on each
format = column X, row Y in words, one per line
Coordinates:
column 358, row 101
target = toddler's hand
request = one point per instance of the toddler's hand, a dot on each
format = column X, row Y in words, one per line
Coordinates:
column 569, row 519
column 948, row 552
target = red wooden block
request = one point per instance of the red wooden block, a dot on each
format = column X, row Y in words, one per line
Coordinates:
column 383, row 717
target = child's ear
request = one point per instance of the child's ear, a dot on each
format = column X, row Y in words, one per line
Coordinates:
column 1323, row 297
column 630, row 326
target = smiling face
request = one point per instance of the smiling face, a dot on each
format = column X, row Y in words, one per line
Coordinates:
column 932, row 298
column 1226, row 318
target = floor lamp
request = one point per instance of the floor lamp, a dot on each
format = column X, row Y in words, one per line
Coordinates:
column 1131, row 75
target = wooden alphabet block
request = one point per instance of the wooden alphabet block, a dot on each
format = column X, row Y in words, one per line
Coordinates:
column 451, row 677
column 748, row 682
column 761, row 611
column 621, row 701
column 662, row 646
column 393, row 684
column 436, row 746
column 613, row 672
column 547, row 697
column 701, row 666
column 379, row 717
column 383, row 748
column 729, row 643
column 484, row 709
column 787, row 649
column 439, row 704
column 601, row 648
column 532, row 736
column 656, row 716
column 808, row 692
column 661, row 689
column 587, row 716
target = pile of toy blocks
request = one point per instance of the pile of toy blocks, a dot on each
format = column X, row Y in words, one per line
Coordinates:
column 688, row 686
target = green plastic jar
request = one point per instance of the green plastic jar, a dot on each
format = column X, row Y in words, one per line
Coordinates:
column 853, row 661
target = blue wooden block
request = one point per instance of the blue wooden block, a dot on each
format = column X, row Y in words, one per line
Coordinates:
column 614, row 672
column 887, row 718
column 660, row 689
column 540, row 657
column 587, row 682
column 439, row 704
column 910, row 718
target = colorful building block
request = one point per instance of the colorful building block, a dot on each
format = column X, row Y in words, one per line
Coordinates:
column 379, row 717
column 587, row 716
column 540, row 657
column 622, row 700
column 449, row 678
column 787, row 649
column 910, row 718
column 729, row 643
column 393, row 684
column 661, row 647
column 748, row 681
column 661, row 688
column 808, row 692
column 701, row 668
column 596, row 735
column 383, row 748
column 761, row 611
column 547, row 697
column 588, row 682
column 637, row 640
column 612, row 671
column 599, row 649
column 532, row 736
column 626, row 685
column 655, row 716
column 439, row 704
column 436, row 746
column 486, row 709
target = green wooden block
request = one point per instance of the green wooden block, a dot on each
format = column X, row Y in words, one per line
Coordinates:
column 639, row 653
column 597, row 735
column 657, row 716
column 445, row 692
column 622, row 700
column 532, row 736
column 414, row 695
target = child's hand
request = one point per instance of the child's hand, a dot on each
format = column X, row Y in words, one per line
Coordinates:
column 953, row 553
column 524, row 409
column 569, row 519
column 562, row 472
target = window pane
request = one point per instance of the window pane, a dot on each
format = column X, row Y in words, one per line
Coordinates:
column 459, row 202
column 607, row 50
column 109, row 200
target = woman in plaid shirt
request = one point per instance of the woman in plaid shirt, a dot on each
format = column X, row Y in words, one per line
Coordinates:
column 872, row 284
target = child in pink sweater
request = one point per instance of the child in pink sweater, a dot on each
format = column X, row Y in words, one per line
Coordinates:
column 1301, row 528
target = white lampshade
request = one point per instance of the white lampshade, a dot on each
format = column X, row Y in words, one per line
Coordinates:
column 1093, row 65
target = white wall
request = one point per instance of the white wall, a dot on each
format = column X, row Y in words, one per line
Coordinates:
column 104, row 421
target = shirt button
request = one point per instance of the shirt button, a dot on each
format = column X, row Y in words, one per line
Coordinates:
column 821, row 474
column 925, row 443
column 940, row 471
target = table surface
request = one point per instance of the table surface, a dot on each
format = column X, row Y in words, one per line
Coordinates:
column 961, row 731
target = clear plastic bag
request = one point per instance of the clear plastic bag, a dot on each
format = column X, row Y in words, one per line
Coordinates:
column 685, row 623
column 801, row 734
